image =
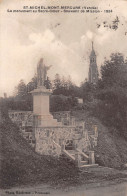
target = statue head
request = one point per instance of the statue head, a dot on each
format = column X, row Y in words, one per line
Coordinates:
column 40, row 62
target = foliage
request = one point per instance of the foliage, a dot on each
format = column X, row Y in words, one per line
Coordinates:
column 112, row 93
column 64, row 86
column 62, row 103
column 22, row 99
column 114, row 71
column 32, row 84
column 21, row 165
column 107, row 100
column 88, row 91
column 22, row 89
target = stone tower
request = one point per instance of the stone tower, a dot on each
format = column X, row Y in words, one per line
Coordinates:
column 93, row 70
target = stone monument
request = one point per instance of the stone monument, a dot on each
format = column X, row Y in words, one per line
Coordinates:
column 53, row 138
column 42, row 116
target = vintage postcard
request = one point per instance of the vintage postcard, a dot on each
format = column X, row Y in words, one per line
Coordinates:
column 63, row 97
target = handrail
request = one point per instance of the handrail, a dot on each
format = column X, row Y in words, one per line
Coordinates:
column 69, row 155
column 65, row 151
column 56, row 144
column 82, row 153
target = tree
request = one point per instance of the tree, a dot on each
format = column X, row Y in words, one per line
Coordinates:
column 15, row 92
column 62, row 103
column 32, row 84
column 88, row 91
column 71, row 87
column 22, row 89
column 112, row 93
column 48, row 83
column 114, row 71
column 57, row 84
column 64, row 86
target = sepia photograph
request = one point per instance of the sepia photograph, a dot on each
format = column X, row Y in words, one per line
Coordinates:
column 63, row 97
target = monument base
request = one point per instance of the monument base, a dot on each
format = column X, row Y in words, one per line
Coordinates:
column 42, row 116
column 46, row 121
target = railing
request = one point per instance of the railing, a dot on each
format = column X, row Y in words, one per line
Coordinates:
column 58, row 147
column 82, row 153
column 65, row 151
column 68, row 155
column 77, row 156
column 56, row 144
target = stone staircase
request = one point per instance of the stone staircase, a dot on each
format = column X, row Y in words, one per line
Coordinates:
column 77, row 156
column 80, row 159
column 84, row 161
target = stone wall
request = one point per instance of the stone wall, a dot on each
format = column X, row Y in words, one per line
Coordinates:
column 72, row 133
column 49, row 140
column 64, row 117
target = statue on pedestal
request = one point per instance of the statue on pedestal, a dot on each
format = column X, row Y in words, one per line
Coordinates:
column 42, row 72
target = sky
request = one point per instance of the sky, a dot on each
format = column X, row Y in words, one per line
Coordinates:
column 63, row 40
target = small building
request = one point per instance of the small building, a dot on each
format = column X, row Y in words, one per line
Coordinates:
column 79, row 100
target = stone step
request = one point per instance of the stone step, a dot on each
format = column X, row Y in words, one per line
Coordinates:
column 89, row 165
column 72, row 152
column 59, row 123
column 84, row 163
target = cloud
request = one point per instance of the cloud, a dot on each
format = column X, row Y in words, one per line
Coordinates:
column 89, row 35
column 24, row 58
column 25, row 38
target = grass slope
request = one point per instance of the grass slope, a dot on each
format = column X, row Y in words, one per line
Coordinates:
column 111, row 150
column 21, row 165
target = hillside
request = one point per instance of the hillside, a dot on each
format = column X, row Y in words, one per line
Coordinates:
column 20, row 165
column 111, row 150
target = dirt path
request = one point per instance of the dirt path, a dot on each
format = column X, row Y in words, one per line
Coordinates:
column 94, row 189
column 100, row 181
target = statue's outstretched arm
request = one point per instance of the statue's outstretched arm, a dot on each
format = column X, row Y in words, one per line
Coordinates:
column 48, row 67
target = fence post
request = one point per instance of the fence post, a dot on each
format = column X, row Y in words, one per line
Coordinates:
column 95, row 131
column 62, row 144
column 78, row 159
column 91, row 157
